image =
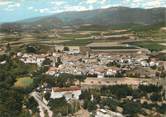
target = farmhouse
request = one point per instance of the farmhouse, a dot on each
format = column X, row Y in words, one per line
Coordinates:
column 112, row 71
column 67, row 92
column 52, row 71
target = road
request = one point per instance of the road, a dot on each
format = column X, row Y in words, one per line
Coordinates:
column 82, row 113
column 42, row 105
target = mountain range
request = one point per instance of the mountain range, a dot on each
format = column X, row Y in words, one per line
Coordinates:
column 105, row 17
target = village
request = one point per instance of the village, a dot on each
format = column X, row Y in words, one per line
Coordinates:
column 106, row 75
column 99, row 69
column 82, row 58
column 98, row 65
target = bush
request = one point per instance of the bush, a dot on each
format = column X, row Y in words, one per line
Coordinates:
column 156, row 97
column 66, row 48
column 162, row 109
column 131, row 108
column 150, row 88
column 32, row 104
column 91, row 106
column 31, row 49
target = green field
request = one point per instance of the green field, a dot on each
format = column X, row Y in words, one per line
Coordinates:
column 151, row 45
column 112, row 47
column 74, row 36
column 23, row 82
column 77, row 42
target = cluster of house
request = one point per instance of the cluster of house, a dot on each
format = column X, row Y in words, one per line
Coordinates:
column 32, row 58
column 78, row 64
column 98, row 65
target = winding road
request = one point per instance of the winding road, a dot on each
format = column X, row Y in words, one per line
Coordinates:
column 42, row 105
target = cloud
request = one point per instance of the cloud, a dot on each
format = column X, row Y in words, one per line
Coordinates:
column 4, row 2
column 58, row 3
column 56, row 6
column 40, row 10
column 44, row 10
column 12, row 6
column 9, row 5
column 30, row 8
column 103, row 1
column 15, row 5
column 144, row 3
column 76, row 8
column 91, row 1
column 52, row 6
column 69, row 8
column 151, row 4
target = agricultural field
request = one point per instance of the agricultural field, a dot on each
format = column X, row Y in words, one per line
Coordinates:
column 150, row 32
column 74, row 36
column 77, row 42
column 151, row 45
column 113, row 47
column 85, row 35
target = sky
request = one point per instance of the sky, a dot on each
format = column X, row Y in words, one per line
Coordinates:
column 14, row 10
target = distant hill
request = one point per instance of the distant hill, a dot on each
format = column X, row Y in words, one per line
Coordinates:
column 114, row 16
column 103, row 17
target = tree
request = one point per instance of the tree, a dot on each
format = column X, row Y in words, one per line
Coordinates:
column 85, row 95
column 8, row 48
column 150, row 88
column 47, row 95
column 131, row 108
column 66, row 49
column 91, row 106
column 47, row 61
column 25, row 114
column 60, row 106
column 59, row 62
column 10, row 103
column 32, row 105
column 31, row 49
column 80, row 78
column 3, row 57
column 120, row 91
column 156, row 97
column 111, row 103
column 65, row 80
column 11, row 99
column 162, row 109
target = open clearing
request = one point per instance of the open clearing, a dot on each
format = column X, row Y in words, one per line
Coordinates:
column 23, row 82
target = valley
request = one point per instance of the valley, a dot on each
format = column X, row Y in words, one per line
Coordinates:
column 96, row 63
